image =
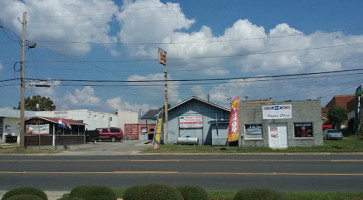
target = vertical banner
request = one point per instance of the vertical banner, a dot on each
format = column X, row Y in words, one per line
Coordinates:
column 162, row 57
column 159, row 130
column 233, row 128
column 358, row 94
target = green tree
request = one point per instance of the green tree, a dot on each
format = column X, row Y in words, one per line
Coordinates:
column 45, row 103
column 336, row 115
column 162, row 107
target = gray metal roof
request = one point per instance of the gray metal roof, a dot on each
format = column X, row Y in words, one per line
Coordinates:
column 201, row 100
column 151, row 114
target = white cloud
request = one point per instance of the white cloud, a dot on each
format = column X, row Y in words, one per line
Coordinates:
column 85, row 97
column 118, row 104
column 199, row 91
column 63, row 20
column 1, row 67
column 155, row 90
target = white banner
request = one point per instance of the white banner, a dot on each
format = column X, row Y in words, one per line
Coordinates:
column 277, row 112
column 195, row 121
column 37, row 129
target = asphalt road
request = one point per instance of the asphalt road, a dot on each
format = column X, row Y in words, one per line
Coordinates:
column 281, row 172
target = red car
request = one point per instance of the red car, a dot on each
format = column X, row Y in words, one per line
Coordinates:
column 327, row 126
column 112, row 133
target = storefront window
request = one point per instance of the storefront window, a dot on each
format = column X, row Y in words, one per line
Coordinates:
column 303, row 129
column 253, row 131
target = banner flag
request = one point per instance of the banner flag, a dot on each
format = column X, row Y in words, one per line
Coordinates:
column 159, row 130
column 162, row 57
column 233, row 128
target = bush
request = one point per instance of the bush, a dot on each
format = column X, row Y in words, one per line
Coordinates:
column 159, row 192
column 258, row 194
column 25, row 190
column 71, row 198
column 132, row 192
column 192, row 192
column 24, row 197
column 93, row 192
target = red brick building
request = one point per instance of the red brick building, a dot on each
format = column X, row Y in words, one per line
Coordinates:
column 337, row 100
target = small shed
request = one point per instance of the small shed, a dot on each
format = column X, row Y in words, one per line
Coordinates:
column 198, row 120
column 50, row 131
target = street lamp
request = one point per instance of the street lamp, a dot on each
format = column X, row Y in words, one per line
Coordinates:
column 22, row 82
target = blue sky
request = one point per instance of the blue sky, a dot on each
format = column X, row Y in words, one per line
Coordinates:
column 112, row 47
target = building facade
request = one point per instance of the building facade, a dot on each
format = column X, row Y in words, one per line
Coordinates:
column 264, row 123
column 198, row 119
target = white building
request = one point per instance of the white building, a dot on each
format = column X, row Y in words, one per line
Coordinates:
column 10, row 119
column 94, row 119
column 10, row 122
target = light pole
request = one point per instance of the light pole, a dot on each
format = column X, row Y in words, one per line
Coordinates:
column 22, row 77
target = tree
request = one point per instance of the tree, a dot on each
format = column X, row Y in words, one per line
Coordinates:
column 162, row 107
column 336, row 115
column 45, row 103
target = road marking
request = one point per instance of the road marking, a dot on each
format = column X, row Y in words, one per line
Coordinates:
column 200, row 173
column 186, row 160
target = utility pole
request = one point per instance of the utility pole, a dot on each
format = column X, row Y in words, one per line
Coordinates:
column 22, row 84
column 163, row 60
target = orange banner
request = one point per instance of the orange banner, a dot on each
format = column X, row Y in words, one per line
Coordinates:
column 233, row 128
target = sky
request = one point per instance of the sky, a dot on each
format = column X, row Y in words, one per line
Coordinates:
column 102, row 55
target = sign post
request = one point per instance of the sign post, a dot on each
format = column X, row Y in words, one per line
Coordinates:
column 358, row 94
column 162, row 60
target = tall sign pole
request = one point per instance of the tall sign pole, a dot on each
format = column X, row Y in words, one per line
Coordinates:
column 162, row 60
column 22, row 84
column 358, row 94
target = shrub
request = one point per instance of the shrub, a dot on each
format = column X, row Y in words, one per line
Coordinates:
column 258, row 194
column 132, row 192
column 25, row 190
column 24, row 197
column 71, row 198
column 192, row 192
column 93, row 192
column 159, row 192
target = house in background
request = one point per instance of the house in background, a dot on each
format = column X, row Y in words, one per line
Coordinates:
column 337, row 100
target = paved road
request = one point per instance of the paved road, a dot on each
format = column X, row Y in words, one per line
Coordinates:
column 282, row 172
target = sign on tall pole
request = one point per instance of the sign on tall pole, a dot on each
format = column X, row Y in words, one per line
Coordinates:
column 358, row 94
column 162, row 60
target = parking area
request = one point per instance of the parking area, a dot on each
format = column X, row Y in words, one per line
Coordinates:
column 127, row 147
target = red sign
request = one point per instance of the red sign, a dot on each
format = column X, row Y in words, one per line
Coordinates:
column 162, row 57
column 233, row 128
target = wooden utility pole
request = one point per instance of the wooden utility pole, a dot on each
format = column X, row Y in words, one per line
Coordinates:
column 22, row 84
column 163, row 60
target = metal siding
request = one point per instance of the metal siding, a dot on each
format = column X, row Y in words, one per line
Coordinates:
column 194, row 107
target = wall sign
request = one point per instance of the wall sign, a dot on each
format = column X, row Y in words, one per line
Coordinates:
column 277, row 112
column 195, row 121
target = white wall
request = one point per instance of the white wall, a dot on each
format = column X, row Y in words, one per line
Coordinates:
column 94, row 119
column 14, row 126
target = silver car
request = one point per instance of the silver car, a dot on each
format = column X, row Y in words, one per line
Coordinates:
column 331, row 134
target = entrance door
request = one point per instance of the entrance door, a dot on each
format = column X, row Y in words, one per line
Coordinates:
column 277, row 136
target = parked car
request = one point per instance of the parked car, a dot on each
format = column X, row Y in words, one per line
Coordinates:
column 113, row 134
column 330, row 134
column 92, row 136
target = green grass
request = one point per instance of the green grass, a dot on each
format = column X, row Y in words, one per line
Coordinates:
column 348, row 144
column 15, row 149
column 229, row 194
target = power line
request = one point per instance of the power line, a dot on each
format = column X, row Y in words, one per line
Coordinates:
column 198, row 80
